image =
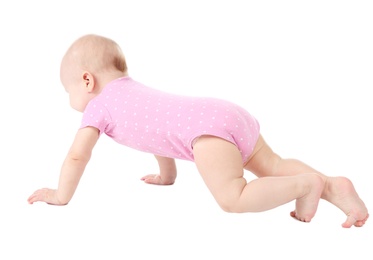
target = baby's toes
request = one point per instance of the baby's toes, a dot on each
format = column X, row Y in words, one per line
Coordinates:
column 294, row 215
column 350, row 221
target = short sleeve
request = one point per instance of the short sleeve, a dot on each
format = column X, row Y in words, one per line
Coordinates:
column 96, row 115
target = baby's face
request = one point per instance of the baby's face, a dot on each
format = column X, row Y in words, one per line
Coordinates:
column 76, row 97
column 75, row 87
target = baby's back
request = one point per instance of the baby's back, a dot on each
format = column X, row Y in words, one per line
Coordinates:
column 166, row 124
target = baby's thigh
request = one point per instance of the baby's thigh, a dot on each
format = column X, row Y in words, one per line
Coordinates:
column 220, row 164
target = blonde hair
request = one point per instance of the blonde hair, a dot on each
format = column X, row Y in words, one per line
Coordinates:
column 97, row 54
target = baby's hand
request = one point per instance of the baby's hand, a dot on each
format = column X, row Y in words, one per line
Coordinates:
column 45, row 195
column 156, row 179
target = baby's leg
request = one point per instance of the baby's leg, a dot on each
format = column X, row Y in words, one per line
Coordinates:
column 338, row 190
column 220, row 165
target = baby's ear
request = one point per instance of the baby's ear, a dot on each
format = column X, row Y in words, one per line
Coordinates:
column 89, row 81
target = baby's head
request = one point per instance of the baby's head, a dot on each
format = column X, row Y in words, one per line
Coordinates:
column 88, row 65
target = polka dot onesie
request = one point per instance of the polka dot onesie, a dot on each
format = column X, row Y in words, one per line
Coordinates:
column 165, row 124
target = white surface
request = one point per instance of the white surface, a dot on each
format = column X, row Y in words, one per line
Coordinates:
column 303, row 69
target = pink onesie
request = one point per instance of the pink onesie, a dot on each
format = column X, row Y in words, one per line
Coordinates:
column 165, row 124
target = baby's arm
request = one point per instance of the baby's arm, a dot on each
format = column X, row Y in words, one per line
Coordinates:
column 167, row 172
column 71, row 171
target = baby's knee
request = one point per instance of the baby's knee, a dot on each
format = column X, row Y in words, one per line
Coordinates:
column 230, row 208
column 230, row 205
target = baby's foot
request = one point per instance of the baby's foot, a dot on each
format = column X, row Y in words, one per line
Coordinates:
column 341, row 192
column 306, row 206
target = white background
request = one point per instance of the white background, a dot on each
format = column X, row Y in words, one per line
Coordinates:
column 303, row 68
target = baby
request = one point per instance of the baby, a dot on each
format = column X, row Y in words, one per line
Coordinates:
column 220, row 137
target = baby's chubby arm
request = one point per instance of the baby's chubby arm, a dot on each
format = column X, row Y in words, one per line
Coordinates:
column 167, row 172
column 72, row 169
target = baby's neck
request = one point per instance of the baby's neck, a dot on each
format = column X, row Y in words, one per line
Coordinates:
column 107, row 77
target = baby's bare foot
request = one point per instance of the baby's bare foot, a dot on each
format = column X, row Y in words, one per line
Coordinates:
column 306, row 206
column 341, row 192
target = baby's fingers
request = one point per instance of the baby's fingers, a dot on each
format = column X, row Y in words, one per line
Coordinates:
column 44, row 195
column 33, row 197
column 149, row 176
column 38, row 195
column 152, row 179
